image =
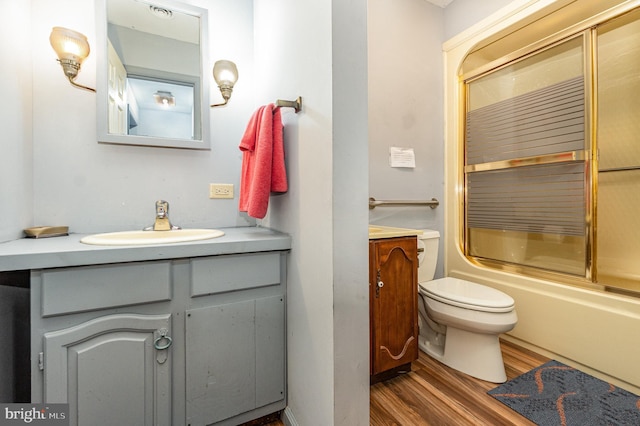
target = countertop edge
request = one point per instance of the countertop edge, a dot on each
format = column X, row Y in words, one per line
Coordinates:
column 379, row 232
column 68, row 251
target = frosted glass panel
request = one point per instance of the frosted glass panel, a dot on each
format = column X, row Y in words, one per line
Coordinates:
column 552, row 252
column 619, row 92
column 618, row 222
column 541, row 122
column 619, row 228
column 542, row 199
column 545, row 69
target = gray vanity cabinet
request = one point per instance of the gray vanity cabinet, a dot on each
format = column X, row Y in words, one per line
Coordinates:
column 193, row 341
column 100, row 342
column 235, row 336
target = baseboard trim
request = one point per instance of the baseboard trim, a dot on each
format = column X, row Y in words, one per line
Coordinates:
column 288, row 418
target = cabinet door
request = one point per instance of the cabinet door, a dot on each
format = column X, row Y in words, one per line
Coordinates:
column 393, row 299
column 235, row 355
column 113, row 370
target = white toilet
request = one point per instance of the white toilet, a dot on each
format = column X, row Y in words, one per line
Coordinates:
column 460, row 321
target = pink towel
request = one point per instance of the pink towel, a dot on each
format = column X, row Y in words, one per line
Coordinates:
column 263, row 169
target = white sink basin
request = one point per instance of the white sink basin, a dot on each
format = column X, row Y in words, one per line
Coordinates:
column 126, row 238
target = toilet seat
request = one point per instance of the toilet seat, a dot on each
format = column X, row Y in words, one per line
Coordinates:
column 468, row 295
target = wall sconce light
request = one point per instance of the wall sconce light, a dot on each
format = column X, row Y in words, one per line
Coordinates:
column 72, row 48
column 225, row 73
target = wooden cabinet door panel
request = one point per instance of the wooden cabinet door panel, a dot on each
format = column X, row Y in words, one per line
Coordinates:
column 393, row 302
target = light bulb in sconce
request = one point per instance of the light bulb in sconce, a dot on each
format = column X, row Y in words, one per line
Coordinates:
column 225, row 73
column 72, row 48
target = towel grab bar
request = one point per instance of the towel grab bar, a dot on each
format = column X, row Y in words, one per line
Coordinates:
column 297, row 104
column 373, row 203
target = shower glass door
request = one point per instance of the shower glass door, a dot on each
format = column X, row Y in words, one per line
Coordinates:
column 526, row 148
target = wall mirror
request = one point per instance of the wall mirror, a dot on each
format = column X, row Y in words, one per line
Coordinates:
column 152, row 87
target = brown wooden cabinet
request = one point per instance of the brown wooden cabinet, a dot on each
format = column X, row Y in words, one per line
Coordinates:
column 393, row 303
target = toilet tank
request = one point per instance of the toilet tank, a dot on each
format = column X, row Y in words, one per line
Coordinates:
column 427, row 254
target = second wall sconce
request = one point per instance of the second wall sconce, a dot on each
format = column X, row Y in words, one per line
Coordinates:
column 225, row 73
column 72, row 48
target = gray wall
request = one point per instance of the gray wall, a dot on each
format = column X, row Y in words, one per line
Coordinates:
column 406, row 104
column 95, row 187
column 317, row 50
column 406, row 110
column 462, row 14
column 350, row 194
column 16, row 167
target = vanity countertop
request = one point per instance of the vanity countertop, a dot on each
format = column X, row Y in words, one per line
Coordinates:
column 377, row 231
column 55, row 252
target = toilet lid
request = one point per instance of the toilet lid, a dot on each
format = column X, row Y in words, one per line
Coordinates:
column 466, row 294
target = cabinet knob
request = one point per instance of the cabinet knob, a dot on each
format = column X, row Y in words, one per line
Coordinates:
column 379, row 284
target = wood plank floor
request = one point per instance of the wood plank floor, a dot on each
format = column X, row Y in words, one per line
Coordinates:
column 433, row 394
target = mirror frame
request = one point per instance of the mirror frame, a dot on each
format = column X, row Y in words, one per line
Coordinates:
column 102, row 112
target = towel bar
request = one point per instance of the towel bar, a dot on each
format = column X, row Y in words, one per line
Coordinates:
column 297, row 104
column 373, row 203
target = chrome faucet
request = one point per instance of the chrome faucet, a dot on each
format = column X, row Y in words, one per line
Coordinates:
column 162, row 218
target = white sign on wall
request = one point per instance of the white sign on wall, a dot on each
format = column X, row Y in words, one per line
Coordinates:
column 402, row 157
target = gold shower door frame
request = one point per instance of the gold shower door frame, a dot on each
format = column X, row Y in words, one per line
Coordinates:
column 610, row 246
